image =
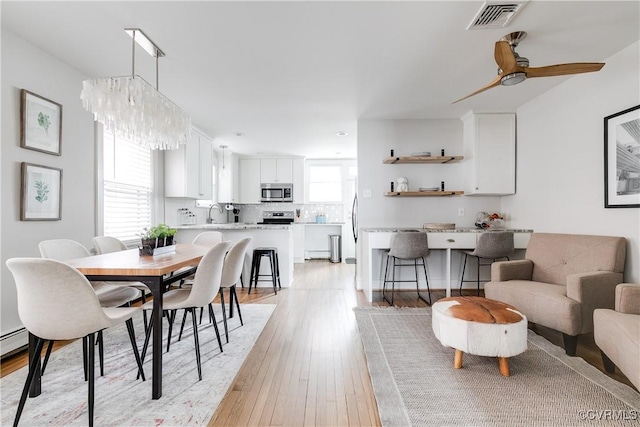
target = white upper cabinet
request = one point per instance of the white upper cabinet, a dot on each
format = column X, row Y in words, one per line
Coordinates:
column 489, row 154
column 298, row 181
column 276, row 171
column 249, row 185
column 187, row 170
column 228, row 177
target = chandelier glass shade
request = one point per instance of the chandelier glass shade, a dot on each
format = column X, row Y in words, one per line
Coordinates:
column 133, row 109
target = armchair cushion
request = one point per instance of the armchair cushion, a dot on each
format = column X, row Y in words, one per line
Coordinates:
column 536, row 300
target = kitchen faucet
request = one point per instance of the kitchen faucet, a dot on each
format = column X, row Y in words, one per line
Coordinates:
column 209, row 219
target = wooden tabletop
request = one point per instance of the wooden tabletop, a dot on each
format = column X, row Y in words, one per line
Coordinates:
column 130, row 263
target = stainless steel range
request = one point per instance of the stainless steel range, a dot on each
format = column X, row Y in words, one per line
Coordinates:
column 277, row 217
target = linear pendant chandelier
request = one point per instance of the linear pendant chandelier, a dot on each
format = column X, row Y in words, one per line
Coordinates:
column 133, row 109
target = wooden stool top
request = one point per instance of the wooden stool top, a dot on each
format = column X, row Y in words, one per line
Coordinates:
column 482, row 310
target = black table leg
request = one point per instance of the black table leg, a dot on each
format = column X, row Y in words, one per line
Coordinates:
column 156, row 290
column 36, row 384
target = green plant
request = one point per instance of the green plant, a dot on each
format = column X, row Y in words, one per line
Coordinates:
column 162, row 230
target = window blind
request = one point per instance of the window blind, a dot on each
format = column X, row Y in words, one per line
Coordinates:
column 128, row 189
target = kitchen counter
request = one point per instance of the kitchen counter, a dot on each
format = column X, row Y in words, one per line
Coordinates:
column 233, row 226
column 279, row 236
column 453, row 230
column 375, row 244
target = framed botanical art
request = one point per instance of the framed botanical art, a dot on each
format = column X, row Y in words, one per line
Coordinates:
column 40, row 123
column 622, row 159
column 40, row 193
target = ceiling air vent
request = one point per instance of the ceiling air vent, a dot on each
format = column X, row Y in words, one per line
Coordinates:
column 495, row 14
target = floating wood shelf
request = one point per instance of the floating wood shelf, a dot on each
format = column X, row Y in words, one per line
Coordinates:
column 422, row 159
column 422, row 193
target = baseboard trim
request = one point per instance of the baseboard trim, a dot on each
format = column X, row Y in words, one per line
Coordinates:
column 13, row 341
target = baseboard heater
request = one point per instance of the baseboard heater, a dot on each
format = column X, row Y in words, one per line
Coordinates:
column 13, row 341
column 316, row 254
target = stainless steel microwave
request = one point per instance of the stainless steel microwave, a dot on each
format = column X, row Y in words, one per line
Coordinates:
column 276, row 192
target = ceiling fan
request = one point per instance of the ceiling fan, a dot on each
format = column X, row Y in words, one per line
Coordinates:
column 514, row 69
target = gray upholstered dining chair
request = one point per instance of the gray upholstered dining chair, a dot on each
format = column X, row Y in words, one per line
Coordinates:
column 206, row 284
column 56, row 302
column 406, row 246
column 491, row 245
column 108, row 293
column 231, row 272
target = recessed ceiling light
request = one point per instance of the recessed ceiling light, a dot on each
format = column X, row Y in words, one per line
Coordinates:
column 342, row 133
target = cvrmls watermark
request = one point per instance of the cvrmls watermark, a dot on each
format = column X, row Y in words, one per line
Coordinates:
column 608, row 415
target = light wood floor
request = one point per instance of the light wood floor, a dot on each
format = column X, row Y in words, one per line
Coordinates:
column 308, row 366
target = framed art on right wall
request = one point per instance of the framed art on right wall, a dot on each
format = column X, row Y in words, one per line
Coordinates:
column 622, row 159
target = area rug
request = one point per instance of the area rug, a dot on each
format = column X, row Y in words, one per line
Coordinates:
column 415, row 383
column 120, row 400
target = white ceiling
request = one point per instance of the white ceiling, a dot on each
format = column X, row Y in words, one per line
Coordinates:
column 289, row 75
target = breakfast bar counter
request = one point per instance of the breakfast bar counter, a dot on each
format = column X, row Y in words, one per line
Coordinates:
column 279, row 236
column 375, row 243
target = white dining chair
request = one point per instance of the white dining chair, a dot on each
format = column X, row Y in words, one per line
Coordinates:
column 203, row 290
column 56, row 302
column 231, row 272
column 208, row 239
column 109, row 294
column 109, row 244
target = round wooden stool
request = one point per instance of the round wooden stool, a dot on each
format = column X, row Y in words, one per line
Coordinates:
column 480, row 326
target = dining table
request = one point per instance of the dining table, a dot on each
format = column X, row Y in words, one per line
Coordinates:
column 157, row 272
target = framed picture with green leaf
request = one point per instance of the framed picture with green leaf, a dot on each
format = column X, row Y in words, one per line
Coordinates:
column 40, row 123
column 40, row 193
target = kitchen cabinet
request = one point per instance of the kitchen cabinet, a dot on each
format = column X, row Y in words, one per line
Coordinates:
column 276, row 171
column 298, row 243
column 188, row 170
column 228, row 164
column 490, row 154
column 298, row 181
column 396, row 160
column 249, row 184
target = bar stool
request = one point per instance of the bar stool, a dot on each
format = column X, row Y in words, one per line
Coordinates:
column 406, row 246
column 258, row 253
column 491, row 245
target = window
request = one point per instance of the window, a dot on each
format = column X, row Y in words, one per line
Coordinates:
column 325, row 183
column 127, row 188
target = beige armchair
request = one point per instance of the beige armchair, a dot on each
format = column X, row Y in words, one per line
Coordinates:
column 563, row 278
column 617, row 333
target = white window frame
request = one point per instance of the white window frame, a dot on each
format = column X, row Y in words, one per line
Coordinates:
column 99, row 167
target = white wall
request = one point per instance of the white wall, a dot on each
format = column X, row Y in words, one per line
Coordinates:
column 375, row 140
column 560, row 177
column 26, row 67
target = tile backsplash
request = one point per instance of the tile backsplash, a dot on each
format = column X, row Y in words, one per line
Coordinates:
column 184, row 211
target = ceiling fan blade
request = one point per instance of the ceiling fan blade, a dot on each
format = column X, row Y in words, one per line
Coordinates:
column 564, row 69
column 494, row 83
column 505, row 58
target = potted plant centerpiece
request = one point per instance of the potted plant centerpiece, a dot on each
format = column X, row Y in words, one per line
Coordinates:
column 157, row 237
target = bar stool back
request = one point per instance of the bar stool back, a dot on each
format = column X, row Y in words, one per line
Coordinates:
column 408, row 246
column 491, row 245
